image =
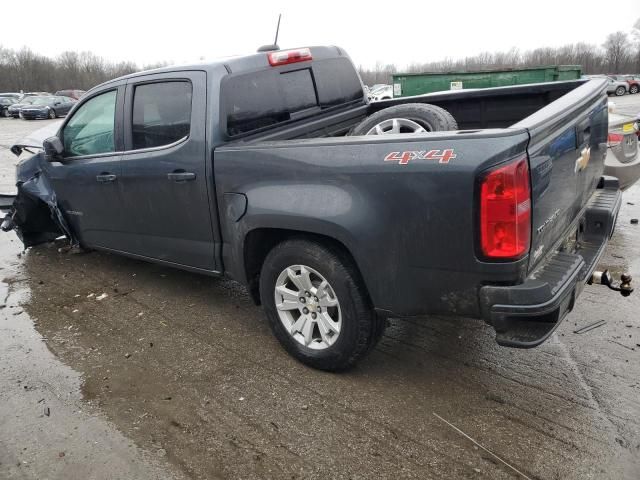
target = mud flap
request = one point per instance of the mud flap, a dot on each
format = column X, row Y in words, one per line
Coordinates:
column 35, row 215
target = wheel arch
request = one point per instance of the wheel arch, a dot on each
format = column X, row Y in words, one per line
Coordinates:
column 260, row 241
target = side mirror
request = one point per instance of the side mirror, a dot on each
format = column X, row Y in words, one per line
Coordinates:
column 52, row 148
column 58, row 103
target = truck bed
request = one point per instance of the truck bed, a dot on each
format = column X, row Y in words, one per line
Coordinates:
column 499, row 107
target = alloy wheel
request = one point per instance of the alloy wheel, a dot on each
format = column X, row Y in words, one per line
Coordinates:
column 308, row 307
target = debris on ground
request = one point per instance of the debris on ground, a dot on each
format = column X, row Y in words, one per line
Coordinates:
column 47, row 411
column 634, row 221
column 481, row 446
column 127, row 355
column 102, row 297
column 589, row 327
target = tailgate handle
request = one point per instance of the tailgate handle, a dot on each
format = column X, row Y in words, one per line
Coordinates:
column 181, row 176
column 583, row 132
column 106, row 178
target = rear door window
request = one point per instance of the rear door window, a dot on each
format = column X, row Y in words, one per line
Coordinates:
column 161, row 113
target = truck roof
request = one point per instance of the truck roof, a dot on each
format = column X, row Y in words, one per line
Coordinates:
column 234, row 64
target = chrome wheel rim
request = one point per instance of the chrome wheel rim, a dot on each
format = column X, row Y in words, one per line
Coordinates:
column 308, row 307
column 396, row 125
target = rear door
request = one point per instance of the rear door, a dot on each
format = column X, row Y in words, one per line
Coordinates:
column 164, row 179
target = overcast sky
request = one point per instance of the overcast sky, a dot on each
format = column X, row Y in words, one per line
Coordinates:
column 397, row 32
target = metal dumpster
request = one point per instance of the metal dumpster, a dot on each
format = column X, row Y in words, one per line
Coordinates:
column 408, row 84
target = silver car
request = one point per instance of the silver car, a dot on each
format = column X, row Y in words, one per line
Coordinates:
column 617, row 87
column 623, row 160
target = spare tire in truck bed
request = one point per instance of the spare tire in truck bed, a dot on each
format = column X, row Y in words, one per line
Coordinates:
column 407, row 118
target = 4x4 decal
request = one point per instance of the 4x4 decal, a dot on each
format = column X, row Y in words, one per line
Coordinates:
column 443, row 156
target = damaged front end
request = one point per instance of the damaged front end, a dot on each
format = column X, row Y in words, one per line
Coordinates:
column 33, row 212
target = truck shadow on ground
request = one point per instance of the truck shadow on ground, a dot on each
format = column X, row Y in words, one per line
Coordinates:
column 186, row 365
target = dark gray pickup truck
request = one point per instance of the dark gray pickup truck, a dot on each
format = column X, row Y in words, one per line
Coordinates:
column 249, row 167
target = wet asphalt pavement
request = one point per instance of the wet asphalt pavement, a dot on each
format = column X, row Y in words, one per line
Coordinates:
column 150, row 372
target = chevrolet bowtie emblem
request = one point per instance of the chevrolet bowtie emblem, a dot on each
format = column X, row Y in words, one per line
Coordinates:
column 583, row 160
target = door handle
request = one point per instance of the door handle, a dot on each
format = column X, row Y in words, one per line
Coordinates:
column 106, row 178
column 181, row 176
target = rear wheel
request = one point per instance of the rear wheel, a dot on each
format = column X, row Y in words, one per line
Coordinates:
column 633, row 89
column 620, row 91
column 317, row 306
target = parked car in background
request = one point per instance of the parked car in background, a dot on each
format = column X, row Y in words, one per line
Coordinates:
column 5, row 103
column 35, row 94
column 623, row 160
column 634, row 82
column 47, row 107
column 75, row 94
column 11, row 95
column 14, row 110
column 617, row 87
column 381, row 92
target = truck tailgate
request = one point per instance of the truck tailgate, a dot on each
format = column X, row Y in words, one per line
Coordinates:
column 567, row 148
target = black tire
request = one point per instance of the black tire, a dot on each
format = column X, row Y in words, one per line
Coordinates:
column 429, row 117
column 361, row 327
column 52, row 114
column 633, row 89
column 620, row 91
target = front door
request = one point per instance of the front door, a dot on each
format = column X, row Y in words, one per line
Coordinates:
column 164, row 174
column 86, row 178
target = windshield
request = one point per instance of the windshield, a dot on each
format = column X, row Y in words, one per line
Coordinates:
column 6, row 101
column 42, row 101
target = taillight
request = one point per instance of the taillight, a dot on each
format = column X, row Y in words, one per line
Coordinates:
column 614, row 139
column 284, row 57
column 505, row 211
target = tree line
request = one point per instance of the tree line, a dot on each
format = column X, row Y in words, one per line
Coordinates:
column 26, row 70
column 620, row 53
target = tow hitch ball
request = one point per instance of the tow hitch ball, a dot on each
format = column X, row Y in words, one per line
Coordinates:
column 605, row 278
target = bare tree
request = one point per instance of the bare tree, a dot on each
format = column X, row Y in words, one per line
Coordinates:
column 616, row 48
column 635, row 33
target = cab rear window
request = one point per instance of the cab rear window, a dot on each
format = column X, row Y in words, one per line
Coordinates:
column 270, row 97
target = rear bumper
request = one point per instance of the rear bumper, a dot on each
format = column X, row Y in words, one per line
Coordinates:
column 626, row 173
column 525, row 315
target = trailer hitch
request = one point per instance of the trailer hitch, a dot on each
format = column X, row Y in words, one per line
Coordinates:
column 605, row 278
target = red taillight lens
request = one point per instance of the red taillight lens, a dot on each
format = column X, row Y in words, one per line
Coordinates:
column 614, row 139
column 505, row 211
column 284, row 57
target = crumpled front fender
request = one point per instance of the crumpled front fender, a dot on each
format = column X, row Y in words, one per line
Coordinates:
column 35, row 215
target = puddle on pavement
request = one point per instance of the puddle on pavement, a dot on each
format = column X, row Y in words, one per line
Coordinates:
column 48, row 431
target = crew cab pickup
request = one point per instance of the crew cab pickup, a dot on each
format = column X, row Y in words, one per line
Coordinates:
column 248, row 168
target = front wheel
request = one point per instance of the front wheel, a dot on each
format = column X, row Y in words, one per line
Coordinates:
column 620, row 91
column 52, row 114
column 317, row 306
